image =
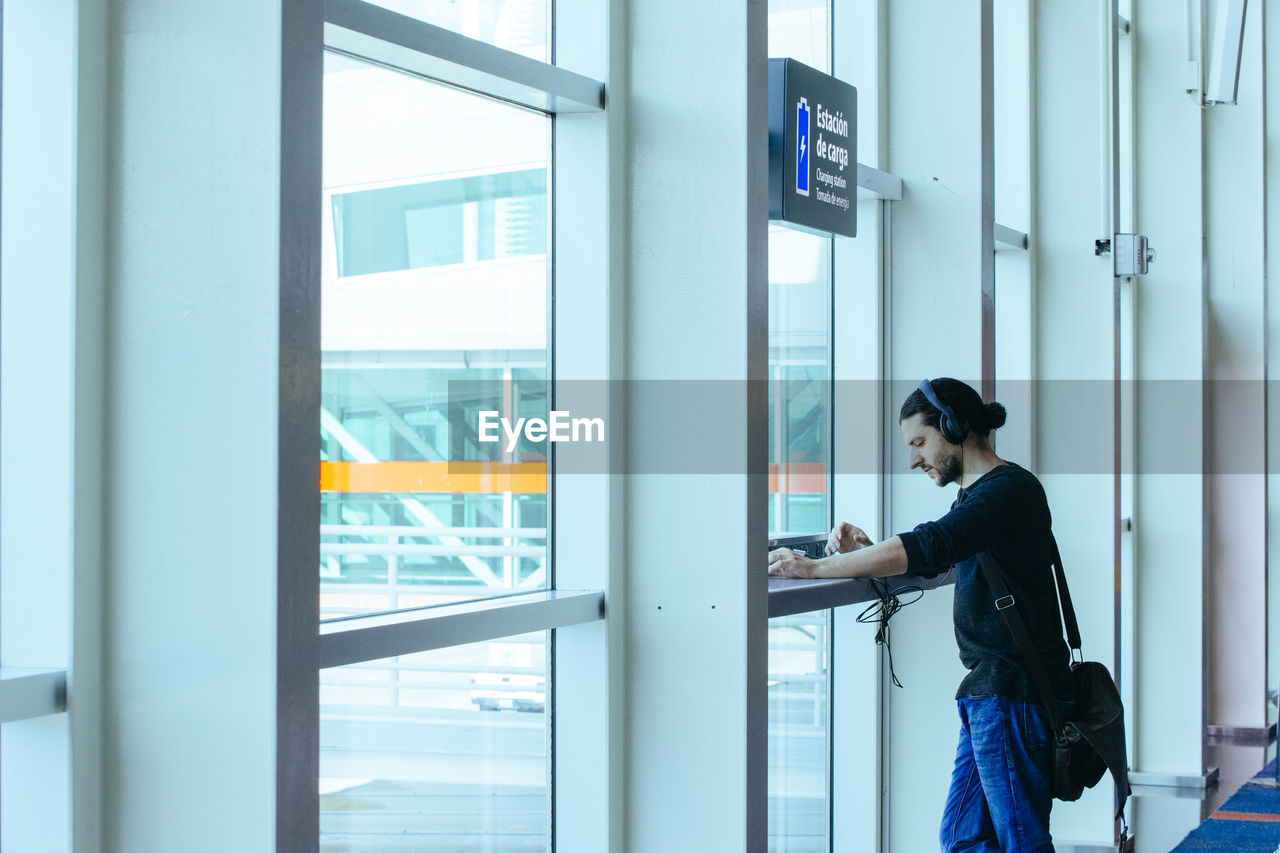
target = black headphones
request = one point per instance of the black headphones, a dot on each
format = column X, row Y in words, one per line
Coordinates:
column 955, row 429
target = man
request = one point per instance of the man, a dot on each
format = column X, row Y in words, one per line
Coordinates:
column 1001, row 786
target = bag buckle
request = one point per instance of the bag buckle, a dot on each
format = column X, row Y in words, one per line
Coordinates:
column 1004, row 602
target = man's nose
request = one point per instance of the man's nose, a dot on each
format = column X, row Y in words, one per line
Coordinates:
column 916, row 460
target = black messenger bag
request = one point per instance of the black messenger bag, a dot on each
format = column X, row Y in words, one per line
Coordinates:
column 1092, row 741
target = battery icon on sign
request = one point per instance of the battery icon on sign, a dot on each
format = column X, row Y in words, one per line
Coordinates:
column 802, row 147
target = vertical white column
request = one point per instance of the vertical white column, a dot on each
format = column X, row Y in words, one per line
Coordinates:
column 1075, row 329
column 192, row 367
column 1170, row 319
column 37, row 265
column 695, row 600
column 1235, row 423
column 588, row 512
column 937, row 266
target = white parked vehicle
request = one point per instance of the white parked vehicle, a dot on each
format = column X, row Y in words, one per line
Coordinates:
column 496, row 691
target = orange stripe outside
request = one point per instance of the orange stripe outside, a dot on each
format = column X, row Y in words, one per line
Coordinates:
column 1251, row 816
column 527, row 478
column 798, row 478
column 530, row 478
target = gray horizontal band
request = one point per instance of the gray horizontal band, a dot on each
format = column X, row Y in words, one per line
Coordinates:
column 384, row 635
column 397, row 41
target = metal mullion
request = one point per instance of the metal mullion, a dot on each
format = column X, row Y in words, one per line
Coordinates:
column 26, row 693
column 387, row 38
column 885, row 497
column 297, row 730
column 829, row 731
column 885, row 185
column 830, row 621
column 370, row 638
column 549, row 656
column 1009, row 239
column 987, row 198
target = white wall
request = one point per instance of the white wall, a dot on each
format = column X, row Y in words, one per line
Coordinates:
column 695, row 597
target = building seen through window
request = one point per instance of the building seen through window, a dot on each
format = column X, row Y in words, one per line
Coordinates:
column 434, row 309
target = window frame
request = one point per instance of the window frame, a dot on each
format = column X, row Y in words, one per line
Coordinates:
column 374, row 34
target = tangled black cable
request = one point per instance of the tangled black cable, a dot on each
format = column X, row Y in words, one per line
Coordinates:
column 882, row 611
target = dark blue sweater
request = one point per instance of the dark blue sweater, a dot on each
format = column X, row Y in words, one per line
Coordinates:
column 1004, row 512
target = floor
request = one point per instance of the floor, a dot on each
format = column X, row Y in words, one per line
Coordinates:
column 1162, row 817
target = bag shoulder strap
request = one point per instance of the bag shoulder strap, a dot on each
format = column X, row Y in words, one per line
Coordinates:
column 1005, row 603
column 1064, row 599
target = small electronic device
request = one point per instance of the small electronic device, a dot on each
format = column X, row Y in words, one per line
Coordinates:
column 810, row 545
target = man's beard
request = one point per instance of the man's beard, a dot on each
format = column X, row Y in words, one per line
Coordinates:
column 949, row 468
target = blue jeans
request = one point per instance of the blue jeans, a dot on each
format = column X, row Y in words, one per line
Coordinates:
column 1002, row 784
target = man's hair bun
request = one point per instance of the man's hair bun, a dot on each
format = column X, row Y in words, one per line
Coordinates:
column 994, row 415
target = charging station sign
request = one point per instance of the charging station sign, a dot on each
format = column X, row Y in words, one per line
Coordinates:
column 813, row 162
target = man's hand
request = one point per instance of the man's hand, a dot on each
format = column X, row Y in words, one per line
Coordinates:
column 845, row 538
column 785, row 563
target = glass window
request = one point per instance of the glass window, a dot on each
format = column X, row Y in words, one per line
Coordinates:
column 516, row 25
column 800, row 381
column 442, row 750
column 799, row 731
column 434, row 310
column 799, row 29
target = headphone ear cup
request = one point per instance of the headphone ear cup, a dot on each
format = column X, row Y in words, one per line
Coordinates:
column 953, row 429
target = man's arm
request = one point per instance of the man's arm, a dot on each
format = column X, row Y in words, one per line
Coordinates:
column 1008, row 508
column 873, row 561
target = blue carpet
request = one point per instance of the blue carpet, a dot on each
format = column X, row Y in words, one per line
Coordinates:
column 1240, row 836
